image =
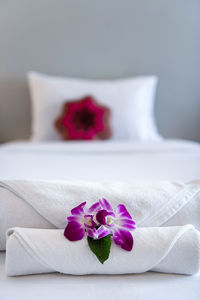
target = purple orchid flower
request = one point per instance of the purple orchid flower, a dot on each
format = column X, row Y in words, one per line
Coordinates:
column 99, row 221
column 119, row 223
column 81, row 221
column 78, row 223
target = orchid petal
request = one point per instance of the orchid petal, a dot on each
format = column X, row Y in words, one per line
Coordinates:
column 124, row 239
column 99, row 233
column 101, row 216
column 127, row 224
column 122, row 211
column 74, row 231
column 105, row 204
column 73, row 218
column 78, row 210
column 94, row 208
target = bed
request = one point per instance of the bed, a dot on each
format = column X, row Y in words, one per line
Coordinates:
column 95, row 40
column 174, row 160
column 164, row 160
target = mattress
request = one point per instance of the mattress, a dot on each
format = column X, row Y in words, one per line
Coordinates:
column 167, row 160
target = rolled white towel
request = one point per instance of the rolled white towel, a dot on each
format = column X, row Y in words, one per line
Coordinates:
column 161, row 249
column 43, row 204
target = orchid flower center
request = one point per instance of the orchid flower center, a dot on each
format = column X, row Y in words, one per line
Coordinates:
column 104, row 217
column 88, row 221
column 109, row 220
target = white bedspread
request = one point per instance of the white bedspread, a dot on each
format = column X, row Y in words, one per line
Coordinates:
column 167, row 160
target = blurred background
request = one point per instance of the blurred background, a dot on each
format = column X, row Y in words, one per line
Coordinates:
column 102, row 40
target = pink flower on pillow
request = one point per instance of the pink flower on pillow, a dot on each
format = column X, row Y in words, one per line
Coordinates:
column 84, row 120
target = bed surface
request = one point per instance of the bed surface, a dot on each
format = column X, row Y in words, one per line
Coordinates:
column 142, row 286
column 166, row 160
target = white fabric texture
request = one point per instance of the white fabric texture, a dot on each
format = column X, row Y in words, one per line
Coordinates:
column 130, row 100
column 162, row 249
column 145, row 286
column 171, row 160
column 42, row 204
column 102, row 147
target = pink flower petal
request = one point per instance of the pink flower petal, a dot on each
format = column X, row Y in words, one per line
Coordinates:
column 73, row 218
column 98, row 233
column 78, row 210
column 101, row 216
column 74, row 231
column 105, row 204
column 94, row 208
column 122, row 212
column 127, row 224
column 124, row 239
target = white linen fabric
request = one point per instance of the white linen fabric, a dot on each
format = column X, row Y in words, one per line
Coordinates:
column 101, row 147
column 171, row 160
column 130, row 100
column 162, row 249
column 43, row 204
column 143, row 286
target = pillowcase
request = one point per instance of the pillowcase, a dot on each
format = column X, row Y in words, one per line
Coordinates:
column 84, row 119
column 131, row 102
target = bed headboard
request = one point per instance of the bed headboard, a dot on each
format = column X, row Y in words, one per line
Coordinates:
column 102, row 39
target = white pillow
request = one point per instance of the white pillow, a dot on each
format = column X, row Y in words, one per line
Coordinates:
column 131, row 101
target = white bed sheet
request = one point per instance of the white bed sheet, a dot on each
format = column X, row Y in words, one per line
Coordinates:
column 167, row 160
column 145, row 286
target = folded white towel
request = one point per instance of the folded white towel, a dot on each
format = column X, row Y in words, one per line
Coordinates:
column 45, row 204
column 161, row 249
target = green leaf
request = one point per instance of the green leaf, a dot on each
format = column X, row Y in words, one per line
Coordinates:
column 101, row 247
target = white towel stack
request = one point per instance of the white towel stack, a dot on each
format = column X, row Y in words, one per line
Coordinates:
column 34, row 215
